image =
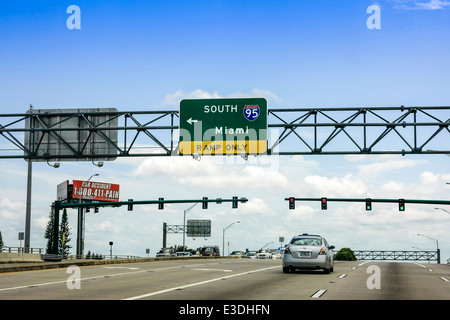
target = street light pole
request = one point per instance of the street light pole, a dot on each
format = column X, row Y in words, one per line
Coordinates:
column 437, row 247
column 266, row 244
column 80, row 229
column 223, row 238
column 184, row 223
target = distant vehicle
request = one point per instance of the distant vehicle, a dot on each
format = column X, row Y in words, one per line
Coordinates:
column 264, row 254
column 166, row 252
column 237, row 253
column 184, row 254
column 250, row 255
column 275, row 254
column 308, row 252
column 210, row 251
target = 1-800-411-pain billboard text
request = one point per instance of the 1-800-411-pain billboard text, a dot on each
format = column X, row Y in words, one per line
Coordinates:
column 97, row 191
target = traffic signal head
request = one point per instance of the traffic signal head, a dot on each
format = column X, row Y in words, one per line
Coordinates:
column 401, row 204
column 291, row 203
column 161, row 204
column 368, row 204
column 130, row 205
column 323, row 202
column 205, row 203
column 235, row 203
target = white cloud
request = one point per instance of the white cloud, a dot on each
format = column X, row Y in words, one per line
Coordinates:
column 432, row 5
column 336, row 186
column 420, row 5
column 255, row 206
column 211, row 172
column 270, row 96
column 11, row 209
column 173, row 99
column 388, row 164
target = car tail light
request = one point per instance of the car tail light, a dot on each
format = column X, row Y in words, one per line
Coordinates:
column 322, row 251
column 287, row 251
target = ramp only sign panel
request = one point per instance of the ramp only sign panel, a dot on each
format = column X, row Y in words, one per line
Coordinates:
column 223, row 126
column 95, row 191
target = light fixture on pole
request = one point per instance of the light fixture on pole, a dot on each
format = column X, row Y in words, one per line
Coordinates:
column 56, row 165
column 443, row 210
column 223, row 239
column 437, row 246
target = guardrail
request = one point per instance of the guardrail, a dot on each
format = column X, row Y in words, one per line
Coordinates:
column 100, row 257
column 21, row 250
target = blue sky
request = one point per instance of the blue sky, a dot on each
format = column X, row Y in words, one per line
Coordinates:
column 307, row 52
column 147, row 55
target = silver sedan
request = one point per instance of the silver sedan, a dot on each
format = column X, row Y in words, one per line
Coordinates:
column 308, row 252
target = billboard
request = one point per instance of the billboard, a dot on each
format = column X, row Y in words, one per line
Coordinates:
column 72, row 134
column 95, row 191
column 62, row 191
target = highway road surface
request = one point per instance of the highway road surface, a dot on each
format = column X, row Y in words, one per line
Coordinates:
column 230, row 279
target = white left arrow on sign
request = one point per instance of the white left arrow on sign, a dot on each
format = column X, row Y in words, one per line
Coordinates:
column 190, row 121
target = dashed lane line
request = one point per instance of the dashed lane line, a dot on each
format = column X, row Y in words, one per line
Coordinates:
column 318, row 294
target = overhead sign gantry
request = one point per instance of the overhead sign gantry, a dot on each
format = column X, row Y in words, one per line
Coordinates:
column 106, row 133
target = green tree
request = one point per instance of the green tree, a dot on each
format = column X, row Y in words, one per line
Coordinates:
column 49, row 232
column 64, row 235
column 1, row 241
column 345, row 254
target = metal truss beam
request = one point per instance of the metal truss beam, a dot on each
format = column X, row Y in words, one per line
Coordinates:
column 313, row 131
column 397, row 255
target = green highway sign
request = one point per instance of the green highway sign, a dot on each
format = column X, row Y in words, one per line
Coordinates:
column 223, row 126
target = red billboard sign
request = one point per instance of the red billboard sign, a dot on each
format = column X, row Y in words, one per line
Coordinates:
column 96, row 191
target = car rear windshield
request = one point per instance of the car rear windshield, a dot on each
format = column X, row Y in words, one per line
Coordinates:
column 305, row 241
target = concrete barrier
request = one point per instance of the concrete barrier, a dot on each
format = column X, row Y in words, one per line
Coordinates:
column 14, row 257
column 88, row 262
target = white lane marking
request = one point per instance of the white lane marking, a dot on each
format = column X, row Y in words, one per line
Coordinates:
column 421, row 265
column 204, row 269
column 444, row 279
column 318, row 294
column 196, row 284
column 128, row 268
column 65, row 281
column 342, row 276
column 94, row 277
column 361, row 264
